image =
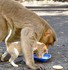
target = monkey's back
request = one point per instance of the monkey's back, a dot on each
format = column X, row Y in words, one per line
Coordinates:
column 19, row 14
column 22, row 17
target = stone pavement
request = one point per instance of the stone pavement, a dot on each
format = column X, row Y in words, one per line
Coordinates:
column 59, row 51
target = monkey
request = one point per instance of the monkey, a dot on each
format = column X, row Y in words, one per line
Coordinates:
column 15, row 50
column 33, row 28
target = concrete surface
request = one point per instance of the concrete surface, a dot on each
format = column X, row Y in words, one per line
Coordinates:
column 59, row 51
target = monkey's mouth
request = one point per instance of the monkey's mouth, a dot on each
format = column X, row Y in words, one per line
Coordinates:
column 40, row 55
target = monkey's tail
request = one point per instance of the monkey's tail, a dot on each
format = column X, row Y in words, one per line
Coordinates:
column 8, row 36
column 10, row 28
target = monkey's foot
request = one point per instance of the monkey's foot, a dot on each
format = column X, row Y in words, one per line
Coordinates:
column 35, row 67
column 13, row 64
column 2, row 58
column 41, row 68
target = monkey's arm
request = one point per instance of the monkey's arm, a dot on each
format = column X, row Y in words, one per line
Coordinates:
column 28, row 41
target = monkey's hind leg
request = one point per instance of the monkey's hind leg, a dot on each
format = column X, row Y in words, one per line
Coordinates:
column 14, row 54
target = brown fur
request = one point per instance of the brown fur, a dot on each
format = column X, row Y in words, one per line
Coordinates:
column 3, row 28
column 33, row 28
column 49, row 38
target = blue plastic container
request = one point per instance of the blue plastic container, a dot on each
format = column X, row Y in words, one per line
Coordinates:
column 45, row 58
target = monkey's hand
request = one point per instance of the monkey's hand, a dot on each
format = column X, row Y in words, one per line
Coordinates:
column 36, row 67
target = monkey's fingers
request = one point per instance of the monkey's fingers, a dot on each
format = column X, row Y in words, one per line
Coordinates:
column 41, row 68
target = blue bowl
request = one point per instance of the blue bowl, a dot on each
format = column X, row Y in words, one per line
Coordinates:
column 45, row 58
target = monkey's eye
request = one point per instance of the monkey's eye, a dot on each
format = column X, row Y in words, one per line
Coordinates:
column 44, row 51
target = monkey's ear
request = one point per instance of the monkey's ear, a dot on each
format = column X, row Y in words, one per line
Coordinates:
column 36, row 46
column 49, row 31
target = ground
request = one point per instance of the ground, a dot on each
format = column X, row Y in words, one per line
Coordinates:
column 59, row 51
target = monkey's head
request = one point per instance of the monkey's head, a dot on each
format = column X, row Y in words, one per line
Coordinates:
column 40, row 49
column 49, row 38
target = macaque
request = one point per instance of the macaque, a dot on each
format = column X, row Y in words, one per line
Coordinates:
column 15, row 50
column 32, row 29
